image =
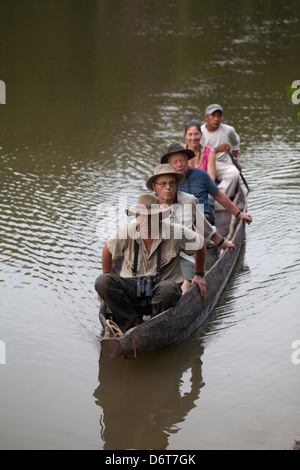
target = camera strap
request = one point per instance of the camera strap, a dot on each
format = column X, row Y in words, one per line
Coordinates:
column 136, row 255
column 159, row 270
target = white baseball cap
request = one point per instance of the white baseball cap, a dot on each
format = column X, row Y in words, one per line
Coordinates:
column 212, row 108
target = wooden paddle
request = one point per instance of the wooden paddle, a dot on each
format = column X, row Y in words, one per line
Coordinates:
column 236, row 163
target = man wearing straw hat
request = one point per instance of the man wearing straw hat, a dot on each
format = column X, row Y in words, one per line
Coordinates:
column 151, row 248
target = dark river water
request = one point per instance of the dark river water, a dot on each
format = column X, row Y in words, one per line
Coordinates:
column 95, row 92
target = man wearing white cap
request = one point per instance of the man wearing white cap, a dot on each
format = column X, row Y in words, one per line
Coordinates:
column 224, row 140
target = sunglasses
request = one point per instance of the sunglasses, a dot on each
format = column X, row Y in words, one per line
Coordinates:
column 195, row 123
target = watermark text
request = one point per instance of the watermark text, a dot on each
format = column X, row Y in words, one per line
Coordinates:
column 114, row 222
column 2, row 353
column 296, row 353
column 2, row 92
column 296, row 93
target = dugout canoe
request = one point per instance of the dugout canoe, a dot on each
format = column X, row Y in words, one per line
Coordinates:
column 178, row 322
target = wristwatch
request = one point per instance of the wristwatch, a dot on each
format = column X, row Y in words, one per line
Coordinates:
column 202, row 274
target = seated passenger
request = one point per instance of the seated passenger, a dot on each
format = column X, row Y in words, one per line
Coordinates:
column 147, row 252
column 198, row 182
column 205, row 157
column 185, row 209
column 224, row 140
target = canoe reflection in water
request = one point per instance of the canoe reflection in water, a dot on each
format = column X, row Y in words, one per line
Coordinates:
column 144, row 399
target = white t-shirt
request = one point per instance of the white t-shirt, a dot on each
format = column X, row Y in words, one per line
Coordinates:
column 223, row 135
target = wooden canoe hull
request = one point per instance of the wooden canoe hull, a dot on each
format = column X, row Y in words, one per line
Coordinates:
column 178, row 322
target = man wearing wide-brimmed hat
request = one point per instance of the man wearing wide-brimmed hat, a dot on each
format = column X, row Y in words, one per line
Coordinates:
column 185, row 209
column 199, row 183
column 151, row 248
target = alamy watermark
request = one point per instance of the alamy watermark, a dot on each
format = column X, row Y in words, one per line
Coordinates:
column 296, row 93
column 2, row 92
column 2, row 353
column 113, row 216
column 296, row 353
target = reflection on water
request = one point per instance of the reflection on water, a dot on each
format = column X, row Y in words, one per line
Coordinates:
column 143, row 401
